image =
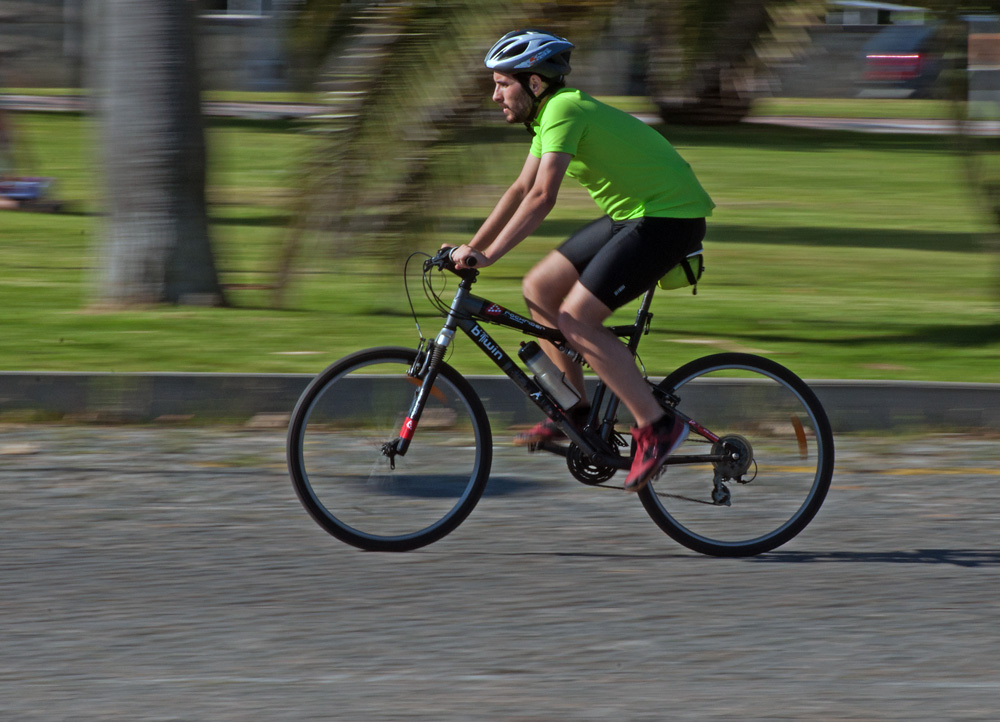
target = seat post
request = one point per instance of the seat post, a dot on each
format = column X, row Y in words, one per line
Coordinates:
column 642, row 317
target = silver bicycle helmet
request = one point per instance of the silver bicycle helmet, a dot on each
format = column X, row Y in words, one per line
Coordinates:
column 530, row 51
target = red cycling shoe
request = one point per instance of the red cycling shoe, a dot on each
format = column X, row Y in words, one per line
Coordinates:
column 653, row 444
column 548, row 431
column 542, row 431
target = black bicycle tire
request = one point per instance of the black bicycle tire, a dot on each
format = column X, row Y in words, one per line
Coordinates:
column 344, row 532
column 820, row 488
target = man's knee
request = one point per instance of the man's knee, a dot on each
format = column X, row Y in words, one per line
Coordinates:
column 547, row 284
column 532, row 285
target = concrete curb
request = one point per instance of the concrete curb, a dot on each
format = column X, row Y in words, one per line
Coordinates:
column 269, row 399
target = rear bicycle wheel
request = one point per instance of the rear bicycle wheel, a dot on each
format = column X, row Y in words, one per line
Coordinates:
column 351, row 488
column 779, row 458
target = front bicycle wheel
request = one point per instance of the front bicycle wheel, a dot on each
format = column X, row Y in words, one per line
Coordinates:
column 771, row 468
column 359, row 494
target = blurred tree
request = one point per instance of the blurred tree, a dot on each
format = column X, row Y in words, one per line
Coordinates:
column 402, row 79
column 962, row 25
column 707, row 60
column 157, row 247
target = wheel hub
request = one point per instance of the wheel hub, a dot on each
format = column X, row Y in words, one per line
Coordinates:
column 737, row 456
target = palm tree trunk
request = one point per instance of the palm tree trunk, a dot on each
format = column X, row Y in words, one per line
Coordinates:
column 157, row 247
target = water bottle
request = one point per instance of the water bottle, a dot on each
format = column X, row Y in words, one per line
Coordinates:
column 548, row 375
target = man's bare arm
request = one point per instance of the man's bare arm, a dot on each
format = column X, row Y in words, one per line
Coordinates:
column 511, row 222
column 507, row 206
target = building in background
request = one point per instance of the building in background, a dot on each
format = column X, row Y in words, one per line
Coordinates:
column 43, row 43
column 984, row 67
column 858, row 13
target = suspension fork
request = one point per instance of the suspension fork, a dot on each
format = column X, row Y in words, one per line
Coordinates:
column 425, row 369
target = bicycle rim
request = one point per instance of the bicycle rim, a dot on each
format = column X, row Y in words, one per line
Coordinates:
column 352, row 489
column 763, row 410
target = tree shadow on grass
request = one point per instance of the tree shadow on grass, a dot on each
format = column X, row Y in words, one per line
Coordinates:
column 965, row 336
column 821, row 237
column 808, row 140
column 270, row 220
column 909, row 240
column 282, row 126
column 947, row 336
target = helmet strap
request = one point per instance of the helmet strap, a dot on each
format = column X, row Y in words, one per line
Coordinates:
column 551, row 88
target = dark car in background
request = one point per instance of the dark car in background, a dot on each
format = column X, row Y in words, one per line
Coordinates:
column 902, row 61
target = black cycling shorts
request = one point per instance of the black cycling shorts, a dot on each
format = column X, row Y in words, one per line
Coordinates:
column 620, row 260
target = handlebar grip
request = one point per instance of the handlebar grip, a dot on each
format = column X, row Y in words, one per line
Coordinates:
column 470, row 261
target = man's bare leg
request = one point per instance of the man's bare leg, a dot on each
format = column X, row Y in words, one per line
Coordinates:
column 545, row 287
column 581, row 318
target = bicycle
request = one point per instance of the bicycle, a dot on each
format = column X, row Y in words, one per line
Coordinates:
column 390, row 448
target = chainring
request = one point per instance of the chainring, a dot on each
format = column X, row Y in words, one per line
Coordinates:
column 583, row 468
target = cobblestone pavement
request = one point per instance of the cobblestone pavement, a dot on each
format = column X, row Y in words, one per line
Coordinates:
column 170, row 574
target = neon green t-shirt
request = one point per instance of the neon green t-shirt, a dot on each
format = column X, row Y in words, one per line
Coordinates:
column 628, row 168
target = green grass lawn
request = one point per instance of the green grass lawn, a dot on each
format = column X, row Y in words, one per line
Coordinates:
column 856, row 108
column 841, row 255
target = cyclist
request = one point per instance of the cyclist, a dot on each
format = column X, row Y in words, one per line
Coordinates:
column 654, row 208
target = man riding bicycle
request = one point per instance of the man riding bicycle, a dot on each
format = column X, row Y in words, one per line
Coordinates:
column 655, row 211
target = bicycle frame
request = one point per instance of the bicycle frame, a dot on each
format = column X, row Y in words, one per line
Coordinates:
column 467, row 310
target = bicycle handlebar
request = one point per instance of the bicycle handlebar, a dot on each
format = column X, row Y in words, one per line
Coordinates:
column 443, row 260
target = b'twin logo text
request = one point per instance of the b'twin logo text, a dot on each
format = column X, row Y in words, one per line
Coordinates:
column 487, row 343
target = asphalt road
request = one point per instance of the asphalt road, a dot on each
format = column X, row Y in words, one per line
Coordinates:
column 170, row 574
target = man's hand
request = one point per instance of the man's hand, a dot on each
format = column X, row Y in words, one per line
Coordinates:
column 462, row 255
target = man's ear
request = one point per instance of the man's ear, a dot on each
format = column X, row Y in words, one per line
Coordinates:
column 536, row 84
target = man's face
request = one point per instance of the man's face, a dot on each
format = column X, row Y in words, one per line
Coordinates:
column 512, row 98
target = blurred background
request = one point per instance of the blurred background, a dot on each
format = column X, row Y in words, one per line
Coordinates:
column 176, row 172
